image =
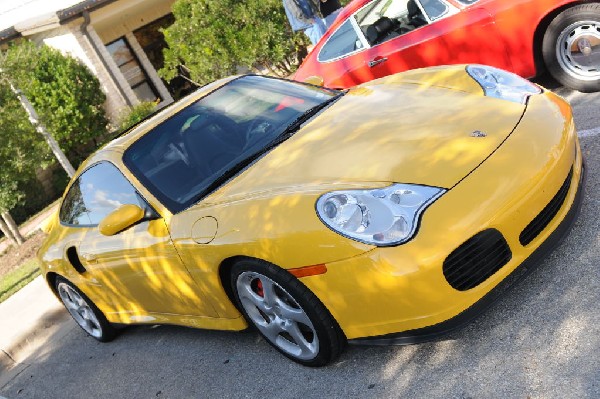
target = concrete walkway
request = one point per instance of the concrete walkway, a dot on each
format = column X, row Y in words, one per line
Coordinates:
column 28, row 317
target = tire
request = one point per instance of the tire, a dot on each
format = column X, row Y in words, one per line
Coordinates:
column 286, row 313
column 83, row 311
column 570, row 47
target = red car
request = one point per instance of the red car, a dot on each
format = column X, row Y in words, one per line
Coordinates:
column 375, row 38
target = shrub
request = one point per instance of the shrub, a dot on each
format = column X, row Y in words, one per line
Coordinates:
column 131, row 116
column 215, row 38
column 69, row 101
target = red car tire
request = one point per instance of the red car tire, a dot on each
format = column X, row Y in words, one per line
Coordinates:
column 571, row 47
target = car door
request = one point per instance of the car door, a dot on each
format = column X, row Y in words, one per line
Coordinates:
column 137, row 271
column 437, row 33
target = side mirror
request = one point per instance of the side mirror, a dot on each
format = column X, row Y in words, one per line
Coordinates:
column 120, row 219
column 315, row 80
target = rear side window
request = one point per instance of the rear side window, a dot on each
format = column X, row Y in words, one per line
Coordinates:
column 344, row 41
column 435, row 9
column 99, row 190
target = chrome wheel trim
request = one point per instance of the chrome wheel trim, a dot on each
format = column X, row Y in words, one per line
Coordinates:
column 278, row 316
column 572, row 57
column 80, row 310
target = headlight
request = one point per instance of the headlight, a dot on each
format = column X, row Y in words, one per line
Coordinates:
column 501, row 84
column 382, row 217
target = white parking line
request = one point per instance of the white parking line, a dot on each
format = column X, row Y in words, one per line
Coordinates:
column 589, row 132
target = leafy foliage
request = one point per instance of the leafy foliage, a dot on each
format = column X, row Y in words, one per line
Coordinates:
column 131, row 116
column 214, row 38
column 19, row 149
column 69, row 102
column 66, row 95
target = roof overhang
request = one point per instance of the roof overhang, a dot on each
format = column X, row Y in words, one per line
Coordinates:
column 50, row 20
column 37, row 24
column 68, row 14
column 9, row 34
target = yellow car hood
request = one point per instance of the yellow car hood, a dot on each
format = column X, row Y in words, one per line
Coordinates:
column 395, row 129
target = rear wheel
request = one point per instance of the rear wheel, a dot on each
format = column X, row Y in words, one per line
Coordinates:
column 84, row 312
column 571, row 47
column 286, row 313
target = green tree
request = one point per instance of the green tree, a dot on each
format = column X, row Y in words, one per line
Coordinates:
column 213, row 38
column 67, row 98
column 65, row 94
column 19, row 152
column 135, row 114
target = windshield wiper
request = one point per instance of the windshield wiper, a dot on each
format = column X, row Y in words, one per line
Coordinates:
column 299, row 121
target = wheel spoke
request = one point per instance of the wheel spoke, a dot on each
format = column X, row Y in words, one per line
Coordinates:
column 299, row 339
column 258, row 301
column 79, row 303
column 293, row 314
column 91, row 321
column 68, row 300
column 71, row 305
column 79, row 300
column 88, row 323
column 269, row 292
column 271, row 331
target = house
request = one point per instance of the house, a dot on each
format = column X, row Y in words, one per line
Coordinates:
column 119, row 40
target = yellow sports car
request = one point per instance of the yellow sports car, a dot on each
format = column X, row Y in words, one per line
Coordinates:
column 388, row 213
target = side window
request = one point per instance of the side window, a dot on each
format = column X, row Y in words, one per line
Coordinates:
column 344, row 41
column 435, row 9
column 383, row 20
column 97, row 192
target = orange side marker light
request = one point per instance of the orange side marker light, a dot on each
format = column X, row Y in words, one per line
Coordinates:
column 308, row 270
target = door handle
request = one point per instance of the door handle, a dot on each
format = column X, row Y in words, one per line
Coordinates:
column 91, row 258
column 377, row 61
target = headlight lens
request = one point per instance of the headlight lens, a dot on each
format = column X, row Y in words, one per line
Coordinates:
column 501, row 84
column 382, row 217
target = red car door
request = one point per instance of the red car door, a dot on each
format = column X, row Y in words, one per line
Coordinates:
column 468, row 36
column 463, row 36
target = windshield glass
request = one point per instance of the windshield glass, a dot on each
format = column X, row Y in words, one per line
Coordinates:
column 182, row 158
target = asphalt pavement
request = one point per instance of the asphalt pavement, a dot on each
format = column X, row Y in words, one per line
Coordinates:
column 540, row 340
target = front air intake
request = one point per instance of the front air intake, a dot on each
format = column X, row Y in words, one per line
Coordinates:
column 476, row 260
column 542, row 220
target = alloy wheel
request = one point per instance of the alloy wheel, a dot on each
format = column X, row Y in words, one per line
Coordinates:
column 277, row 315
column 80, row 310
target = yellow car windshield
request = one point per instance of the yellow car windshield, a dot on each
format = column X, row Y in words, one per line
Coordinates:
column 198, row 148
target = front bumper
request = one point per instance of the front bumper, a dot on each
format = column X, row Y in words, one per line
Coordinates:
column 460, row 320
column 400, row 294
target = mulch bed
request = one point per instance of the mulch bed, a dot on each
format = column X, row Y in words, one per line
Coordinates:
column 15, row 255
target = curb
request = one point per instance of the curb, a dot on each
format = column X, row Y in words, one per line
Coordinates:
column 6, row 362
column 29, row 318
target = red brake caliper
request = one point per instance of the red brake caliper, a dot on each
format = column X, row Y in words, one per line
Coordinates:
column 259, row 288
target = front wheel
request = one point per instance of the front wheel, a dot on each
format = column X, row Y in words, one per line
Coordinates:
column 84, row 312
column 571, row 47
column 286, row 313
